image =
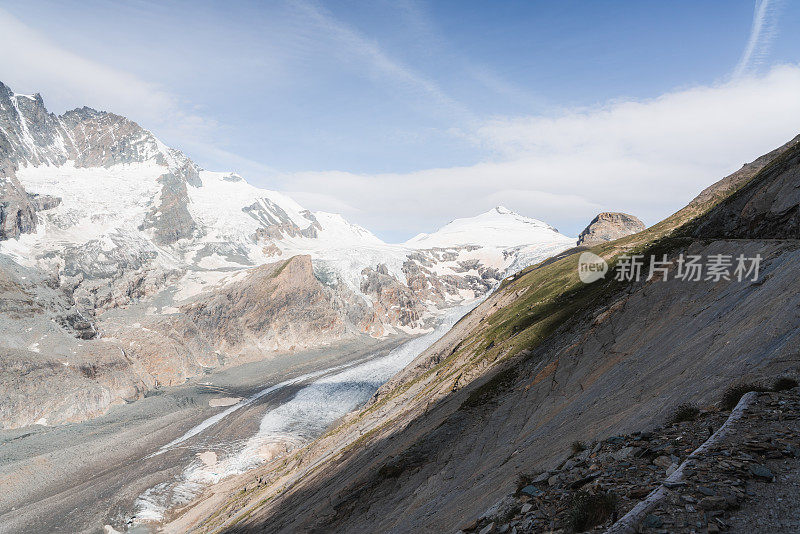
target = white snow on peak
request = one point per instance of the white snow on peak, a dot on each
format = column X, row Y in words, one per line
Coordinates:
column 337, row 229
column 498, row 227
column 239, row 225
column 218, row 205
column 230, row 208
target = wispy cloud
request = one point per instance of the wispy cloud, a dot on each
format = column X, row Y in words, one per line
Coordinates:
column 762, row 32
column 427, row 35
column 380, row 62
column 33, row 62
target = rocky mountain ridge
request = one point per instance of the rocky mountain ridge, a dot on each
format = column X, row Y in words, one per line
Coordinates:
column 118, row 254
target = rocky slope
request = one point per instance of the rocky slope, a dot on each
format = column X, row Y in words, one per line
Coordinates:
column 608, row 226
column 728, row 479
column 120, row 257
column 542, row 363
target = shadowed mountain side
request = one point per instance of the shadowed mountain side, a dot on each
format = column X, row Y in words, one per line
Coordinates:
column 765, row 208
column 541, row 363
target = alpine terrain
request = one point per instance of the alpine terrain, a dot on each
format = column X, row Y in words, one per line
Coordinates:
column 657, row 404
column 165, row 327
column 125, row 267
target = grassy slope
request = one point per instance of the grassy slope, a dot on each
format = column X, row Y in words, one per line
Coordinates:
column 550, row 293
column 543, row 298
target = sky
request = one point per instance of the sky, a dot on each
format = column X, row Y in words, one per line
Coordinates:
column 403, row 115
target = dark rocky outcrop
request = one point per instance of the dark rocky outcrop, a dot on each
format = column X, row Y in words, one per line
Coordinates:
column 17, row 212
column 170, row 219
column 44, row 202
column 276, row 223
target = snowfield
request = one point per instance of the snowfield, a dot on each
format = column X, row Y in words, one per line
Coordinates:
column 240, row 226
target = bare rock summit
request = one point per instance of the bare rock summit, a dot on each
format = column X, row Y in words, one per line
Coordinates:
column 608, row 226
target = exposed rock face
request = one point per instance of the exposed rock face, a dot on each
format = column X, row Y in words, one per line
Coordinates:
column 277, row 223
column 608, row 226
column 25, row 294
column 723, row 188
column 18, row 208
column 768, row 208
column 44, row 202
column 31, row 135
column 510, row 387
column 17, row 212
column 277, row 306
column 64, row 393
column 394, row 302
column 170, row 219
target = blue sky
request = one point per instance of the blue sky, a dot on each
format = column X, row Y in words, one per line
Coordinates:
column 404, row 115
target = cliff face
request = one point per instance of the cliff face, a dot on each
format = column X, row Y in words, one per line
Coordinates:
column 17, row 212
column 543, row 362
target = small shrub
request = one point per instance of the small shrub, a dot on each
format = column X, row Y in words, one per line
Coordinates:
column 391, row 469
column 783, row 383
column 732, row 395
column 591, row 509
column 578, row 446
column 409, row 459
column 685, row 412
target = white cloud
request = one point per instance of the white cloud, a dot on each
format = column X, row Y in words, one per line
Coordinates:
column 645, row 157
column 33, row 63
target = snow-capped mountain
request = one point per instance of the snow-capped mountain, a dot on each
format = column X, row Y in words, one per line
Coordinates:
column 499, row 227
column 120, row 255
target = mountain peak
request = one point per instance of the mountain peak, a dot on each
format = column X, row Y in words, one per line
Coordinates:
column 499, row 227
column 31, row 135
